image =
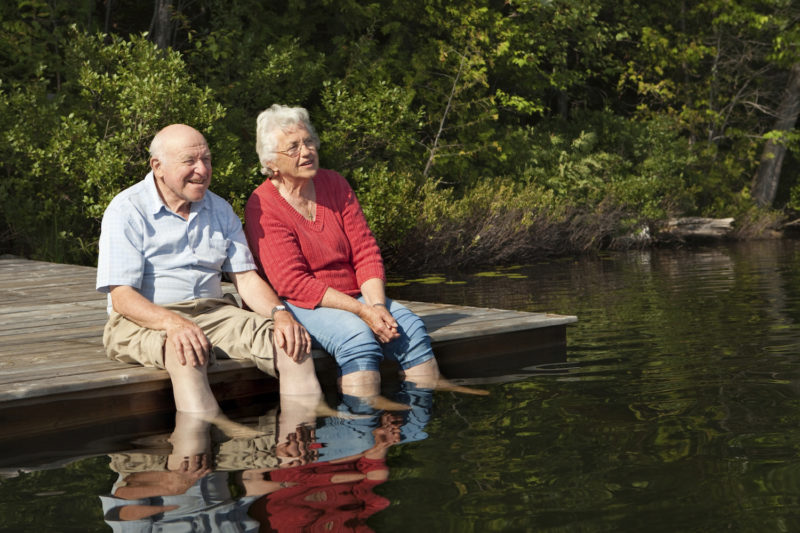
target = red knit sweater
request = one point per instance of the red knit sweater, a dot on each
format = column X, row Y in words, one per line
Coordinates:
column 302, row 258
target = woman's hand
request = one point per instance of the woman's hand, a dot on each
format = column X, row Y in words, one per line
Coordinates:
column 291, row 336
column 380, row 321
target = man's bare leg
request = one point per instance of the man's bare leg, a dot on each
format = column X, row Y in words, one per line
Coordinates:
column 191, row 441
column 190, row 386
column 193, row 395
column 300, row 392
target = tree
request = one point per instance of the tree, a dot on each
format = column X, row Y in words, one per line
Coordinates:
column 767, row 177
column 161, row 24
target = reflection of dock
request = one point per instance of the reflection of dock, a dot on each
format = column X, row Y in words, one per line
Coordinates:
column 54, row 374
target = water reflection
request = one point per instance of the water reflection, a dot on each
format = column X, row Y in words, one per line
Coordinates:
column 276, row 475
column 676, row 408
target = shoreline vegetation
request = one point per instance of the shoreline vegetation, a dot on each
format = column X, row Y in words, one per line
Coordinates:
column 474, row 132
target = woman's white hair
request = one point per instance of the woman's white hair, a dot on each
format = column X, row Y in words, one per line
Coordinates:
column 278, row 118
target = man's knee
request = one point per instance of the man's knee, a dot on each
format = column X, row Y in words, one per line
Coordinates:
column 171, row 361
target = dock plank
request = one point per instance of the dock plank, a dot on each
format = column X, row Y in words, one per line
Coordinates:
column 51, row 353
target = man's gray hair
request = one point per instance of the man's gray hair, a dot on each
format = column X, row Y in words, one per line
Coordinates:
column 278, row 118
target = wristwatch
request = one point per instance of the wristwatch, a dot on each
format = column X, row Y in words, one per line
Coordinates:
column 275, row 310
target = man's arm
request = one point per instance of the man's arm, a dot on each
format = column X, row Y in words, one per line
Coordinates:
column 189, row 341
column 290, row 335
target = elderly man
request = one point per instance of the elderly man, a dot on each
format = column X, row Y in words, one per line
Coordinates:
column 164, row 244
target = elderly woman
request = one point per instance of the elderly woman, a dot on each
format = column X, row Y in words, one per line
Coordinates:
column 312, row 242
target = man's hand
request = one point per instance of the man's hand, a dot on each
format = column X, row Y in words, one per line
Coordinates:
column 380, row 321
column 291, row 336
column 181, row 476
column 189, row 342
column 184, row 336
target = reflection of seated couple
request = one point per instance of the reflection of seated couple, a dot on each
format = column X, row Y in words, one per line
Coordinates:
column 315, row 477
column 164, row 245
column 166, row 241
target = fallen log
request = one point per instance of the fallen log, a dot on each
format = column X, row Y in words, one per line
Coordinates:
column 695, row 229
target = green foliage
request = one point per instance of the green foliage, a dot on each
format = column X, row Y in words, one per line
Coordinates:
column 66, row 155
column 251, row 74
column 366, row 124
column 32, row 34
column 556, row 49
column 127, row 91
column 617, row 113
column 390, row 203
column 641, row 167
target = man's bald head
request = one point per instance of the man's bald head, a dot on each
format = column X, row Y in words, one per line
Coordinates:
column 175, row 135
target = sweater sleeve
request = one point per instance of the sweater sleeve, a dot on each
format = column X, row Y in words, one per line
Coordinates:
column 367, row 260
column 278, row 254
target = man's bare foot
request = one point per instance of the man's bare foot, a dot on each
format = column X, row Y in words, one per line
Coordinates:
column 220, row 422
column 235, row 430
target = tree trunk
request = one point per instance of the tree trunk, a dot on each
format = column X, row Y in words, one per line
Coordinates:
column 160, row 25
column 765, row 182
column 107, row 23
column 447, row 108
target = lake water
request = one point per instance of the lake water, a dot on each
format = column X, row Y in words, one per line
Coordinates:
column 675, row 409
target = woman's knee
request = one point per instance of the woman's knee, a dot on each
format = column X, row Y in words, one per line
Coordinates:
column 358, row 351
column 414, row 345
column 347, row 337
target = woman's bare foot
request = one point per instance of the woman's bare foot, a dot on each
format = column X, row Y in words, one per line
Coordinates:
column 427, row 376
column 385, row 404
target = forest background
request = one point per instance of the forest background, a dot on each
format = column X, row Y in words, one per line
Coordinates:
column 474, row 132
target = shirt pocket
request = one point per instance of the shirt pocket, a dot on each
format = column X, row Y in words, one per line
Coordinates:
column 212, row 252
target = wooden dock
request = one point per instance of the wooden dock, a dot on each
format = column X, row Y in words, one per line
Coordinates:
column 54, row 375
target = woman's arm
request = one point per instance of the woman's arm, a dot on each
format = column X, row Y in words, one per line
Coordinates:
column 374, row 312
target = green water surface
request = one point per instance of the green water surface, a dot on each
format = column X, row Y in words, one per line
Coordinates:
column 676, row 408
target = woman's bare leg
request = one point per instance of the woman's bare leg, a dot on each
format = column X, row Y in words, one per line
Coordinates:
column 366, row 385
column 427, row 376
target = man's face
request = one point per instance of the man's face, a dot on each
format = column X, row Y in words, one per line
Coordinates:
column 183, row 172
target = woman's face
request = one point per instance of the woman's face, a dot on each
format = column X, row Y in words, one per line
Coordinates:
column 296, row 156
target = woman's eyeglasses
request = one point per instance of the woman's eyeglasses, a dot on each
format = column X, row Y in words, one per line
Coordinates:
column 295, row 148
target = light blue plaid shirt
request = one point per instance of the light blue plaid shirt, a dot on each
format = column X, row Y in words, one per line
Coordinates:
column 166, row 257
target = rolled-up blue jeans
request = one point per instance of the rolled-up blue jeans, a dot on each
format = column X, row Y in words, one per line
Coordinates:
column 353, row 344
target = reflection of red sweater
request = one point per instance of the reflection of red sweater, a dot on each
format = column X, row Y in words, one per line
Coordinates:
column 318, row 504
column 302, row 258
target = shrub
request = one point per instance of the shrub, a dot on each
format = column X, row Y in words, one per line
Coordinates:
column 390, row 203
column 496, row 223
column 65, row 155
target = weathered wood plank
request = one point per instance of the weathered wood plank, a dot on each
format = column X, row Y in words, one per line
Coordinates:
column 40, row 323
column 55, row 348
column 52, row 359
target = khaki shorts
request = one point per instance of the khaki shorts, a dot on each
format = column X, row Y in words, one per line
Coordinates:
column 233, row 332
